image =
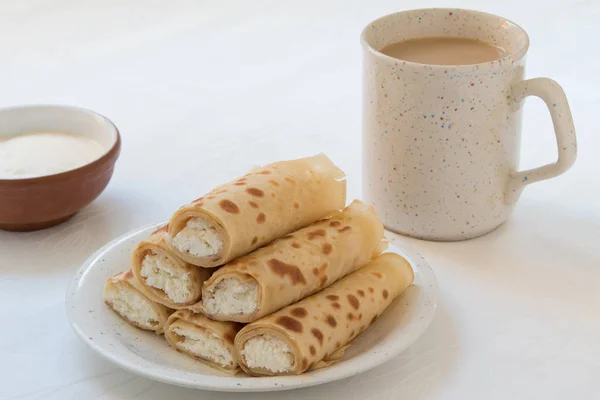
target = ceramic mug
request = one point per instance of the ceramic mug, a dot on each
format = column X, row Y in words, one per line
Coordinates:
column 441, row 143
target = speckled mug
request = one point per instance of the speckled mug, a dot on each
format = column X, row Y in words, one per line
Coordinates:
column 441, row 143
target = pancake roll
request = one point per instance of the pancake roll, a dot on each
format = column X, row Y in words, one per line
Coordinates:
column 247, row 213
column 165, row 277
column 304, row 335
column 204, row 339
column 294, row 266
column 126, row 297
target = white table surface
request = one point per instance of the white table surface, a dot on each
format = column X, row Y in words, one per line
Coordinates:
column 201, row 91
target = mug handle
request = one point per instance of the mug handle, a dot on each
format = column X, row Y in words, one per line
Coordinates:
column 556, row 100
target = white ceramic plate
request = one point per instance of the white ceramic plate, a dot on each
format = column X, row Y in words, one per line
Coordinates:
column 148, row 355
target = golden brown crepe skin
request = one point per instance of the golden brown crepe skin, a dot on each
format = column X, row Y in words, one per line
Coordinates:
column 316, row 327
column 126, row 280
column 157, row 243
column 306, row 261
column 265, row 204
column 226, row 331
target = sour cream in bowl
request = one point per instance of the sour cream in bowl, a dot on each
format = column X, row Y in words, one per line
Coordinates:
column 54, row 160
column 36, row 154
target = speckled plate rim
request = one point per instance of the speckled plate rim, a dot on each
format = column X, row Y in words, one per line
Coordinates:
column 381, row 353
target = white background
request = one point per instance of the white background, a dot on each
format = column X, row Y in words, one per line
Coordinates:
column 201, row 91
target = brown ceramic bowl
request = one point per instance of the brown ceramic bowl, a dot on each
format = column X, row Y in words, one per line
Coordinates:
column 41, row 202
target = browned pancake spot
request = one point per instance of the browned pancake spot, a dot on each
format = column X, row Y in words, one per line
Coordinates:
column 338, row 344
column 313, row 351
column 296, row 245
column 314, row 234
column 374, row 319
column 299, row 312
column 371, row 290
column 290, row 180
column 198, row 199
column 261, row 218
column 221, row 191
column 323, row 280
column 335, row 224
column 253, row 204
column 210, row 197
column 385, row 293
column 289, row 323
column 239, row 183
column 320, row 272
column 229, row 206
column 318, row 334
column 344, row 229
column 331, row 321
column 377, row 274
column 128, row 274
column 254, row 240
column 296, row 204
column 361, row 293
column 265, row 172
column 282, row 269
column 353, row 301
column 329, row 338
column 332, row 297
column 350, row 316
column 327, row 248
column 304, row 363
column 255, row 192
column 360, row 316
column 336, row 305
column 274, row 183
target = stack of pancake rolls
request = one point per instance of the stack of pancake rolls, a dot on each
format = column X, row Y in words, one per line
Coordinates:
column 269, row 273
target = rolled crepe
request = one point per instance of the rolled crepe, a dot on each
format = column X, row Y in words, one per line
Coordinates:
column 166, row 278
column 247, row 213
column 305, row 334
column 125, row 296
column 204, row 339
column 294, row 267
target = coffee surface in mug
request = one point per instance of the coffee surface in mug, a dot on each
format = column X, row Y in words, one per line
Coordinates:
column 442, row 50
